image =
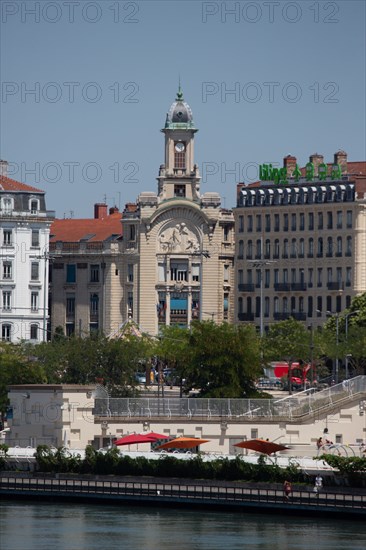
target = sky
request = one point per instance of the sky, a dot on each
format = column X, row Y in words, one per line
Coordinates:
column 85, row 88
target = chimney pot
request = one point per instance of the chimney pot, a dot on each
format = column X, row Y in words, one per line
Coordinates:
column 4, row 167
column 100, row 211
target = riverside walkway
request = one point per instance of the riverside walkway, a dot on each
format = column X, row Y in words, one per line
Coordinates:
column 174, row 493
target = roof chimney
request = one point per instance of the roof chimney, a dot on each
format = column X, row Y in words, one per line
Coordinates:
column 340, row 157
column 316, row 159
column 113, row 210
column 4, row 167
column 289, row 163
column 100, row 211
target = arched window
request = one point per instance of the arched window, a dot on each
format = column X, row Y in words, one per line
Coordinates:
column 293, row 248
column 34, row 206
column 258, row 253
column 276, row 305
column 285, row 305
column 302, row 248
column 349, row 246
column 285, row 248
column 267, row 252
column 276, row 252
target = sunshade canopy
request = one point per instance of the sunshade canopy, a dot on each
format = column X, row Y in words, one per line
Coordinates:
column 134, row 438
column 261, row 446
column 183, row 443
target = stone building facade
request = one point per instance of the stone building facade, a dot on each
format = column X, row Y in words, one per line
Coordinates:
column 300, row 241
column 178, row 245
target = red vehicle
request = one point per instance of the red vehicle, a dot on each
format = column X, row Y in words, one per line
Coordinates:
column 278, row 370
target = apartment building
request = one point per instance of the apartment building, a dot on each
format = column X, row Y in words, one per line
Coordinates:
column 85, row 273
column 300, row 241
column 24, row 237
column 178, row 245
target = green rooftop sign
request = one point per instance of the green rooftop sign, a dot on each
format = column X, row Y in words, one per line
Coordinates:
column 279, row 175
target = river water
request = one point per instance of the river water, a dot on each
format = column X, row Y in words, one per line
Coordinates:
column 55, row 526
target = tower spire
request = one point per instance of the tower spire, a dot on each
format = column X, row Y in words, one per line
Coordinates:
column 179, row 93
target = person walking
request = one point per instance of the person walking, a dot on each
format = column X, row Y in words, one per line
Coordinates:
column 318, row 485
column 287, row 489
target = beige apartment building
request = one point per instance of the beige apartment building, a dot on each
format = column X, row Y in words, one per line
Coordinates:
column 178, row 245
column 300, row 241
column 85, row 273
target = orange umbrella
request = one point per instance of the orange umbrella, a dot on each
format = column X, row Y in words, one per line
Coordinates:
column 261, row 446
column 183, row 443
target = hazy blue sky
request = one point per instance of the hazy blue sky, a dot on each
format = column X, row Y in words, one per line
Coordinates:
column 105, row 73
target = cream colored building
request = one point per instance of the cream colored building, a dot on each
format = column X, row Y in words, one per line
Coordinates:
column 300, row 241
column 85, row 273
column 178, row 245
column 76, row 416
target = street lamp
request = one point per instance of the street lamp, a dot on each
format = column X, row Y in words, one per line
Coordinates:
column 347, row 354
column 330, row 314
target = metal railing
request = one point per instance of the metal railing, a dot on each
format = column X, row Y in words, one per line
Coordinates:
column 189, row 492
column 292, row 406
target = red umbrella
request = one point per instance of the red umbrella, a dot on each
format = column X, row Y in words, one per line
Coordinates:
column 156, row 435
column 183, row 443
column 261, row 446
column 134, row 438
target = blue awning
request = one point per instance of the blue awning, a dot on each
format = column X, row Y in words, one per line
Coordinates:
column 178, row 303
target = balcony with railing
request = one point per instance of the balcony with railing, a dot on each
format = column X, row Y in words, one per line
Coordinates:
column 282, row 287
column 246, row 287
column 246, row 316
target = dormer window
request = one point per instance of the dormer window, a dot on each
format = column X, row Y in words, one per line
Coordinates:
column 34, row 206
column 7, row 205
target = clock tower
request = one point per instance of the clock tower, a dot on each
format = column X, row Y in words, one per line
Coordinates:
column 179, row 176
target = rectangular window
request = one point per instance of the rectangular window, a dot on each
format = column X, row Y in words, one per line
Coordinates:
column 349, row 219
column 7, row 205
column 250, row 224
column 311, row 221
column 34, row 271
column 94, row 273
column 339, row 275
column 130, row 303
column 34, row 332
column 348, row 276
column 302, row 221
column 285, row 222
column 178, row 271
column 34, row 301
column 7, row 237
column 259, row 222
column 329, row 275
column 276, row 222
column 268, row 223
column 179, row 190
column 71, row 273
column 6, row 300
column 6, row 333
column 293, row 222
column 330, row 220
column 240, row 277
column 226, row 233
column 179, row 160
column 293, row 276
column 35, row 237
column 339, row 219
column 7, row 270
column 132, row 230
column 276, row 276
column 249, row 276
column 241, row 224
column 285, row 276
column 70, row 305
column 320, row 220
column 320, row 277
column 94, row 306
column 310, row 277
column 161, row 272
column 226, row 273
column 130, row 273
column 267, row 278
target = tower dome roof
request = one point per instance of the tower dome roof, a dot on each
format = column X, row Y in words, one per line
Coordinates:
column 180, row 114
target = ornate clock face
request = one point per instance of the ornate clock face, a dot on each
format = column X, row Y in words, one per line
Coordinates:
column 179, row 147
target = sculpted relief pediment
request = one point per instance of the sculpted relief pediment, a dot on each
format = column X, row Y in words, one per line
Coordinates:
column 178, row 238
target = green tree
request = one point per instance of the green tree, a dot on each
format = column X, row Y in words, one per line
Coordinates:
column 223, row 360
column 17, row 367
